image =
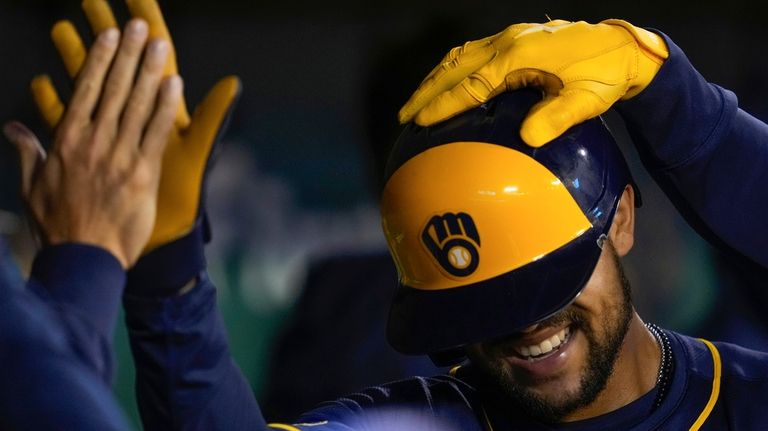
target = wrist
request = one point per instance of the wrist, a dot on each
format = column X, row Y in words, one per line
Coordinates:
column 83, row 276
column 110, row 247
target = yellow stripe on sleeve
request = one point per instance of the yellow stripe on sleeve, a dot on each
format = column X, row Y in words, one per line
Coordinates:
column 294, row 427
column 283, row 427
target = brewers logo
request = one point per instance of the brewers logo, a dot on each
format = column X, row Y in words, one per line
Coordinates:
column 453, row 241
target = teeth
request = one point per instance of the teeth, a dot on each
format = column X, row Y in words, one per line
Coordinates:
column 545, row 346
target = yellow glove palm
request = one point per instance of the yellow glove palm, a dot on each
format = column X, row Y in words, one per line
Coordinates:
column 582, row 68
column 192, row 140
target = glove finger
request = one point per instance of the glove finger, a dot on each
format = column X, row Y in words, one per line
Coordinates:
column 445, row 106
column 70, row 46
column 47, row 100
column 149, row 11
column 554, row 115
column 474, row 90
column 450, row 59
column 209, row 117
column 462, row 61
column 99, row 15
column 447, row 75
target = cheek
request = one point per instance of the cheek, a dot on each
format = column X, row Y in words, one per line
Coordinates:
column 576, row 367
column 602, row 296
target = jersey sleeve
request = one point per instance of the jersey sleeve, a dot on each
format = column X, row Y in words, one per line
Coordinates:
column 186, row 378
column 83, row 285
column 55, row 353
column 709, row 156
column 439, row 403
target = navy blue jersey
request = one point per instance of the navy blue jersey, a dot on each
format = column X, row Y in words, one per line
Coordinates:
column 714, row 387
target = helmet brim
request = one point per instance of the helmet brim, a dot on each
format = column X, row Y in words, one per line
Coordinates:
column 496, row 307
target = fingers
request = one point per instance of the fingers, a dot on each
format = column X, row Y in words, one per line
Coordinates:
column 456, row 66
column 445, row 106
column 31, row 153
column 121, row 76
column 149, row 11
column 99, row 15
column 70, row 46
column 158, row 131
column 460, row 75
column 555, row 114
column 47, row 100
column 90, row 81
column 472, row 91
column 144, row 94
column 461, row 62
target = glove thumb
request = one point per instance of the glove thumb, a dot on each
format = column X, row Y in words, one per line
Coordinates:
column 210, row 117
column 186, row 161
column 554, row 115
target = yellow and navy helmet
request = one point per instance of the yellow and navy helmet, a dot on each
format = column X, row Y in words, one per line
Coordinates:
column 488, row 234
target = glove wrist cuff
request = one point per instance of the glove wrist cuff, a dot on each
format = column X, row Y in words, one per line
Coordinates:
column 650, row 43
column 654, row 52
column 166, row 269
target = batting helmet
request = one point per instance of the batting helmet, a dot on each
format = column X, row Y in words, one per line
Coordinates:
column 488, row 234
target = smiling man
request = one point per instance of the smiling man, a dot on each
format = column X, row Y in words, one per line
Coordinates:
column 562, row 365
column 539, row 303
column 507, row 224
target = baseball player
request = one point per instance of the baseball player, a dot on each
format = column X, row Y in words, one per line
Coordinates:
column 92, row 198
column 507, row 224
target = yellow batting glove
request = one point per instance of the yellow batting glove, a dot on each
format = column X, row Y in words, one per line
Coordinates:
column 187, row 156
column 582, row 68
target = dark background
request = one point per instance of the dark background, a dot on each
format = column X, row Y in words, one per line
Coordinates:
column 322, row 84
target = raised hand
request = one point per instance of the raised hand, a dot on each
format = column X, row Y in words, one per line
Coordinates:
column 98, row 182
column 191, row 141
column 582, row 68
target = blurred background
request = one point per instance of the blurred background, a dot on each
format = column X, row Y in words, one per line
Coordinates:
column 298, row 254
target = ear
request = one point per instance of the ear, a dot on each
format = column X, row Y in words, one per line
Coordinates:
column 622, row 232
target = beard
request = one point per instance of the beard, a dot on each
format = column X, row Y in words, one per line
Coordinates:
column 602, row 354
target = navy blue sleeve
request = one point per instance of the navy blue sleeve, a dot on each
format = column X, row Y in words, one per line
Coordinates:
column 418, row 403
column 186, row 378
column 83, row 284
column 709, row 156
column 55, row 355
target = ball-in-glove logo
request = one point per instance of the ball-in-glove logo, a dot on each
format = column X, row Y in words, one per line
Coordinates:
column 453, row 241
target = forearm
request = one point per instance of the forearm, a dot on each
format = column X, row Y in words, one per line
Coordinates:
column 709, row 156
column 82, row 284
column 54, row 345
column 186, row 377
